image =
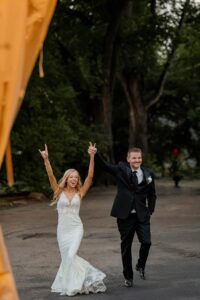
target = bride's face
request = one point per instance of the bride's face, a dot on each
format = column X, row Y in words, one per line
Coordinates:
column 73, row 179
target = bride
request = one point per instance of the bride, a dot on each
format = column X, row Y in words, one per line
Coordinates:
column 75, row 275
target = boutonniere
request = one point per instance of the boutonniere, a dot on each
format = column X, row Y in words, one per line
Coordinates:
column 149, row 179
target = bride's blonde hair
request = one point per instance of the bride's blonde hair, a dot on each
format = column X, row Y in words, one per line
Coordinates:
column 63, row 183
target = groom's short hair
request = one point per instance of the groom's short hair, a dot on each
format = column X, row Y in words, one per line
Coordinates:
column 134, row 149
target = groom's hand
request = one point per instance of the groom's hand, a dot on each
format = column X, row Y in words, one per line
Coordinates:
column 92, row 149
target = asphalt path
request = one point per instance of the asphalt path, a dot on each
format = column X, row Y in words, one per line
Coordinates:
column 173, row 268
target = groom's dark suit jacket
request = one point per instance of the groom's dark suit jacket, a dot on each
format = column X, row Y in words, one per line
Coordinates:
column 142, row 196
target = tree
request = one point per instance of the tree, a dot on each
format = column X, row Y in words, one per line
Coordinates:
column 141, row 91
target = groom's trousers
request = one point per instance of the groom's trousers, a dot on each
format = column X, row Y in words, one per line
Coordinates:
column 127, row 228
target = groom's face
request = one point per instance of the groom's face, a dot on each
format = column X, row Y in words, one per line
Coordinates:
column 135, row 159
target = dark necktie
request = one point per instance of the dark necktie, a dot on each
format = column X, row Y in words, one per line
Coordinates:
column 134, row 178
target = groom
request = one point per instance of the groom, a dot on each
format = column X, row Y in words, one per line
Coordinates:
column 133, row 206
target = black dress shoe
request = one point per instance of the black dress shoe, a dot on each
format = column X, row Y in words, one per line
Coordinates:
column 141, row 272
column 128, row 282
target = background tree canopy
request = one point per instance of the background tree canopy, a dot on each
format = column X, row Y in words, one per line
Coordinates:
column 118, row 73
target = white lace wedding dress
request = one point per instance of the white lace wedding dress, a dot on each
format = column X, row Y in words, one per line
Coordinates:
column 75, row 275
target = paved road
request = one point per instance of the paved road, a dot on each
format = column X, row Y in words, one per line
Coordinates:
column 174, row 263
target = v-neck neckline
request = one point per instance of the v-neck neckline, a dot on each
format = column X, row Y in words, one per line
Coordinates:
column 70, row 200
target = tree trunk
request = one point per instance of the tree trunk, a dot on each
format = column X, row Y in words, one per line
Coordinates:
column 137, row 113
column 116, row 9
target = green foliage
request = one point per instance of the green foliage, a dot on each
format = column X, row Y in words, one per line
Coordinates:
column 63, row 109
column 19, row 188
column 176, row 117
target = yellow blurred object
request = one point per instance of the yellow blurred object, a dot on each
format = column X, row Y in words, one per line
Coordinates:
column 23, row 27
column 9, row 165
column 7, row 284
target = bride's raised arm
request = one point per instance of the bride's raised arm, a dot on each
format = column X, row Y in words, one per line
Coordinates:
column 89, row 179
column 52, row 179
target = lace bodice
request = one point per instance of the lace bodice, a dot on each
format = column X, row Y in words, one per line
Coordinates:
column 64, row 205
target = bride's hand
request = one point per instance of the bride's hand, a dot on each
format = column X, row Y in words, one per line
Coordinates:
column 44, row 152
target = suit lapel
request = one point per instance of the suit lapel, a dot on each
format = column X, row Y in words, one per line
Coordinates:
column 126, row 173
column 146, row 174
column 128, row 177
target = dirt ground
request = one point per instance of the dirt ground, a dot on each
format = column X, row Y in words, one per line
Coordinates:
column 173, row 267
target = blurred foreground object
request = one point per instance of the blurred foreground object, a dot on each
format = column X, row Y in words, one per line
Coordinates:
column 7, row 284
column 23, row 28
